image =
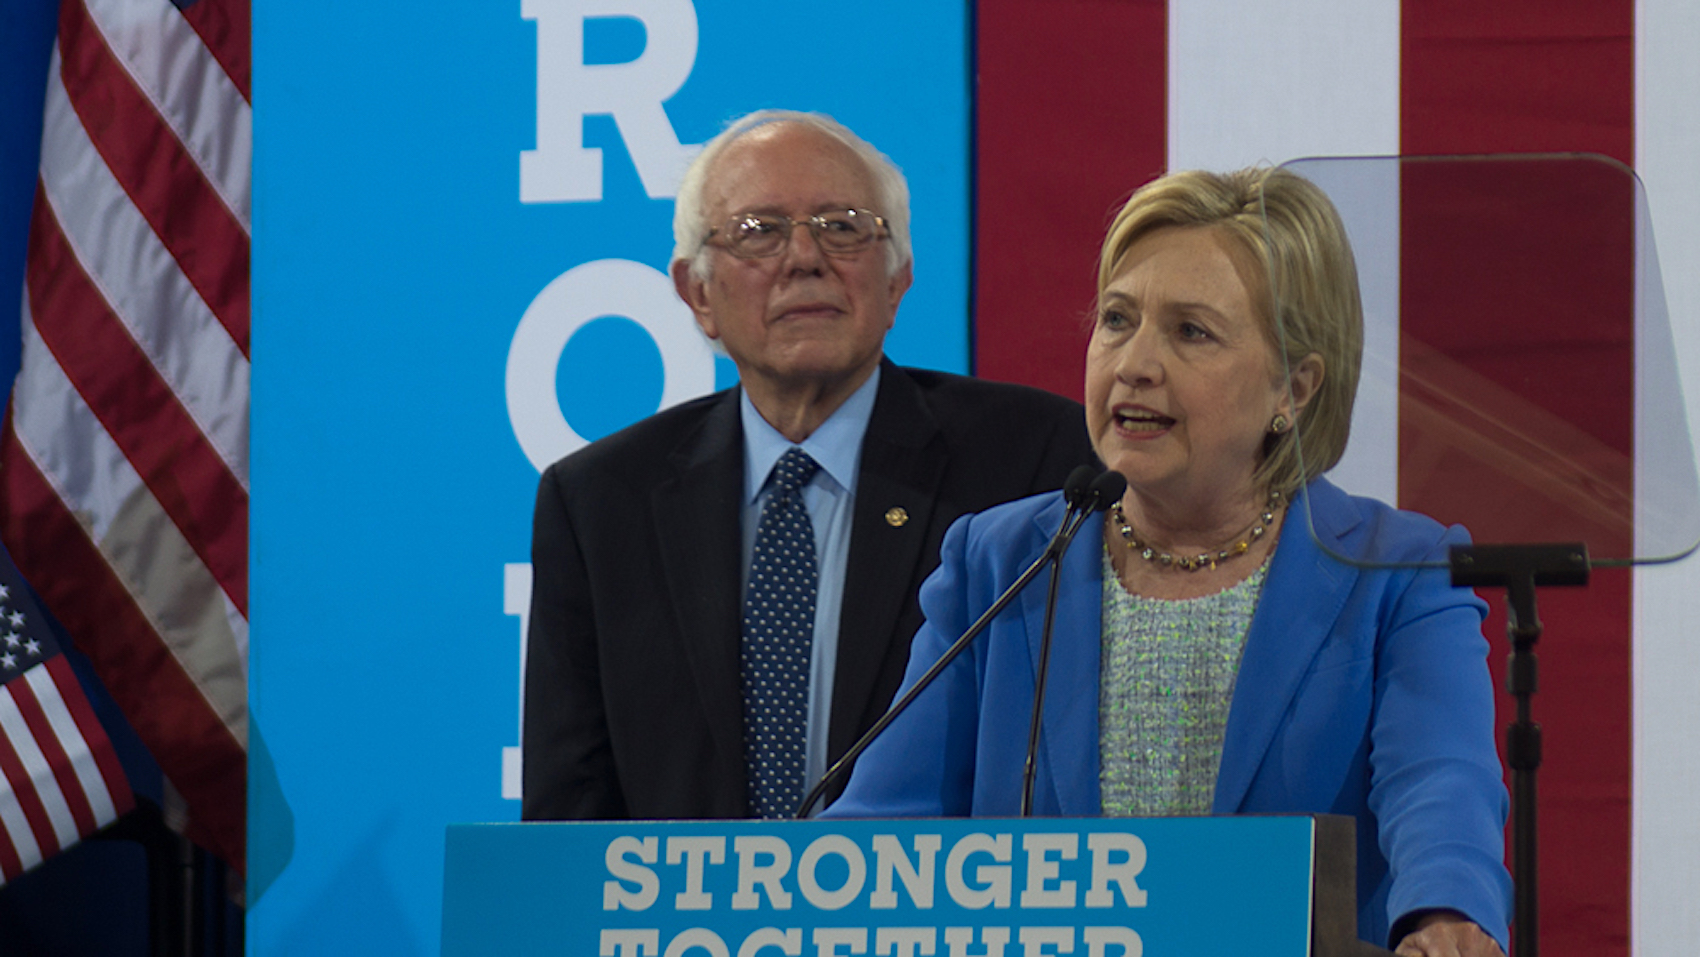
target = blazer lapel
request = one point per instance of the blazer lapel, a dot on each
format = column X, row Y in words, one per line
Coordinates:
column 695, row 515
column 902, row 467
column 1302, row 598
column 1070, row 726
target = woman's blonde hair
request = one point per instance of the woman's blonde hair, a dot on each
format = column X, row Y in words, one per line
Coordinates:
column 1293, row 237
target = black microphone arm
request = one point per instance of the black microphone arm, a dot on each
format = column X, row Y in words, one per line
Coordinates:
column 1077, row 492
column 1106, row 490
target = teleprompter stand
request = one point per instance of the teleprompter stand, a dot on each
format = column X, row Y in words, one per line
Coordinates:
column 1520, row 569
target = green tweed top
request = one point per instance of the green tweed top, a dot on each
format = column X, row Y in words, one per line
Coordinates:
column 1164, row 690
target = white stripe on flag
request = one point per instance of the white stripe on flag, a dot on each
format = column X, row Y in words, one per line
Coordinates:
column 37, row 769
column 238, row 623
column 175, row 592
column 74, row 745
column 192, row 93
column 137, row 276
column 15, row 825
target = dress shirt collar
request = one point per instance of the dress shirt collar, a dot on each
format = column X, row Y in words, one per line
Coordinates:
column 836, row 445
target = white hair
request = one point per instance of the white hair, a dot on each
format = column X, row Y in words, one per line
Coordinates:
column 690, row 227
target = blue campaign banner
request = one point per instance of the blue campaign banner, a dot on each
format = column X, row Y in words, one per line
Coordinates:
column 1096, row 888
column 462, row 222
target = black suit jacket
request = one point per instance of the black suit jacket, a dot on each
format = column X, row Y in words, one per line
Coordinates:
column 633, row 700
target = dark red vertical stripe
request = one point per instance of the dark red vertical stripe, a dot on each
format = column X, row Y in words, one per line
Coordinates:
column 1070, row 117
column 1518, row 76
column 1521, row 76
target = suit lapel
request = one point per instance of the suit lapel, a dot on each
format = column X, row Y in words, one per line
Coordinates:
column 695, row 515
column 1302, row 598
column 1070, row 726
column 902, row 466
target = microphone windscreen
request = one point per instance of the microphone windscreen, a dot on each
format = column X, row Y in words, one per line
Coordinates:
column 1076, row 488
column 1106, row 490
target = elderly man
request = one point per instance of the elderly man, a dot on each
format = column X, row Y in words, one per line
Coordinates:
column 724, row 593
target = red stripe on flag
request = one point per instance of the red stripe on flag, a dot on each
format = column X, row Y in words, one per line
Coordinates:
column 1047, row 179
column 1531, row 75
column 11, row 865
column 89, row 726
column 23, row 790
column 58, row 758
column 138, row 410
column 11, row 774
column 225, row 29
column 168, row 711
column 156, row 171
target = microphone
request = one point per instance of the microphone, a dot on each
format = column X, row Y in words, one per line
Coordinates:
column 1078, row 486
column 1105, row 490
column 1080, row 489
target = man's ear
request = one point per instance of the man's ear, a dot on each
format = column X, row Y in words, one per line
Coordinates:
column 899, row 284
column 695, row 294
column 1303, row 381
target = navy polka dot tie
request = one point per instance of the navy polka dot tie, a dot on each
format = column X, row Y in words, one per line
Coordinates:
column 779, row 629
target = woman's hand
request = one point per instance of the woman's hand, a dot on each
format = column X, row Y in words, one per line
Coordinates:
column 1448, row 934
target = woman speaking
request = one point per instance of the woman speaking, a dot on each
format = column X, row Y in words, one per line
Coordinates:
column 1237, row 668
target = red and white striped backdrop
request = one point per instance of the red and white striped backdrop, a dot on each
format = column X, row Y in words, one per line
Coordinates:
column 124, row 460
column 1079, row 105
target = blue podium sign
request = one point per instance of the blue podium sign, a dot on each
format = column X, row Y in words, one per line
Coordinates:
column 1035, row 887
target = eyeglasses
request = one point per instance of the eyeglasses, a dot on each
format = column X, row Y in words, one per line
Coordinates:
column 839, row 232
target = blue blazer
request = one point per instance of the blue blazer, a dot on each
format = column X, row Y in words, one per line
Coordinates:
column 1362, row 692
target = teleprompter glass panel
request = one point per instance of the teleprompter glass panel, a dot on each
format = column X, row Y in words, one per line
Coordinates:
column 1518, row 375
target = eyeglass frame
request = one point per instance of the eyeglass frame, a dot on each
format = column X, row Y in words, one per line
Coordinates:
column 815, row 223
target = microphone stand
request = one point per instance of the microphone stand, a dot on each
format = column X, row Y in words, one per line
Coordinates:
column 1074, row 492
column 1106, row 489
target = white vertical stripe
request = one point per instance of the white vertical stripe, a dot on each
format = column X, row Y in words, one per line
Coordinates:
column 1271, row 82
column 1366, row 192
column 1268, row 83
column 192, row 93
column 137, row 276
column 75, row 746
column 1665, row 859
column 38, row 770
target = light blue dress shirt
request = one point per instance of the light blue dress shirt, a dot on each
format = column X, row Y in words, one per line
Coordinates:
column 830, row 498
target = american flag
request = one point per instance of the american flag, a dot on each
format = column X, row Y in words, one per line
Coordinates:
column 124, row 458
column 59, row 776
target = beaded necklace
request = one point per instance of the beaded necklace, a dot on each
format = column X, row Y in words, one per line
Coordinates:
column 1203, row 560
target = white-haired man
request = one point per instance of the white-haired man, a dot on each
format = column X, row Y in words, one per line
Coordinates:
column 725, row 592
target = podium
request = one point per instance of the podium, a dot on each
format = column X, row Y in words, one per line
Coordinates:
column 1280, row 886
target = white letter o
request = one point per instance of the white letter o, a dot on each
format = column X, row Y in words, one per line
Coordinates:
column 604, row 287
column 821, row 847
